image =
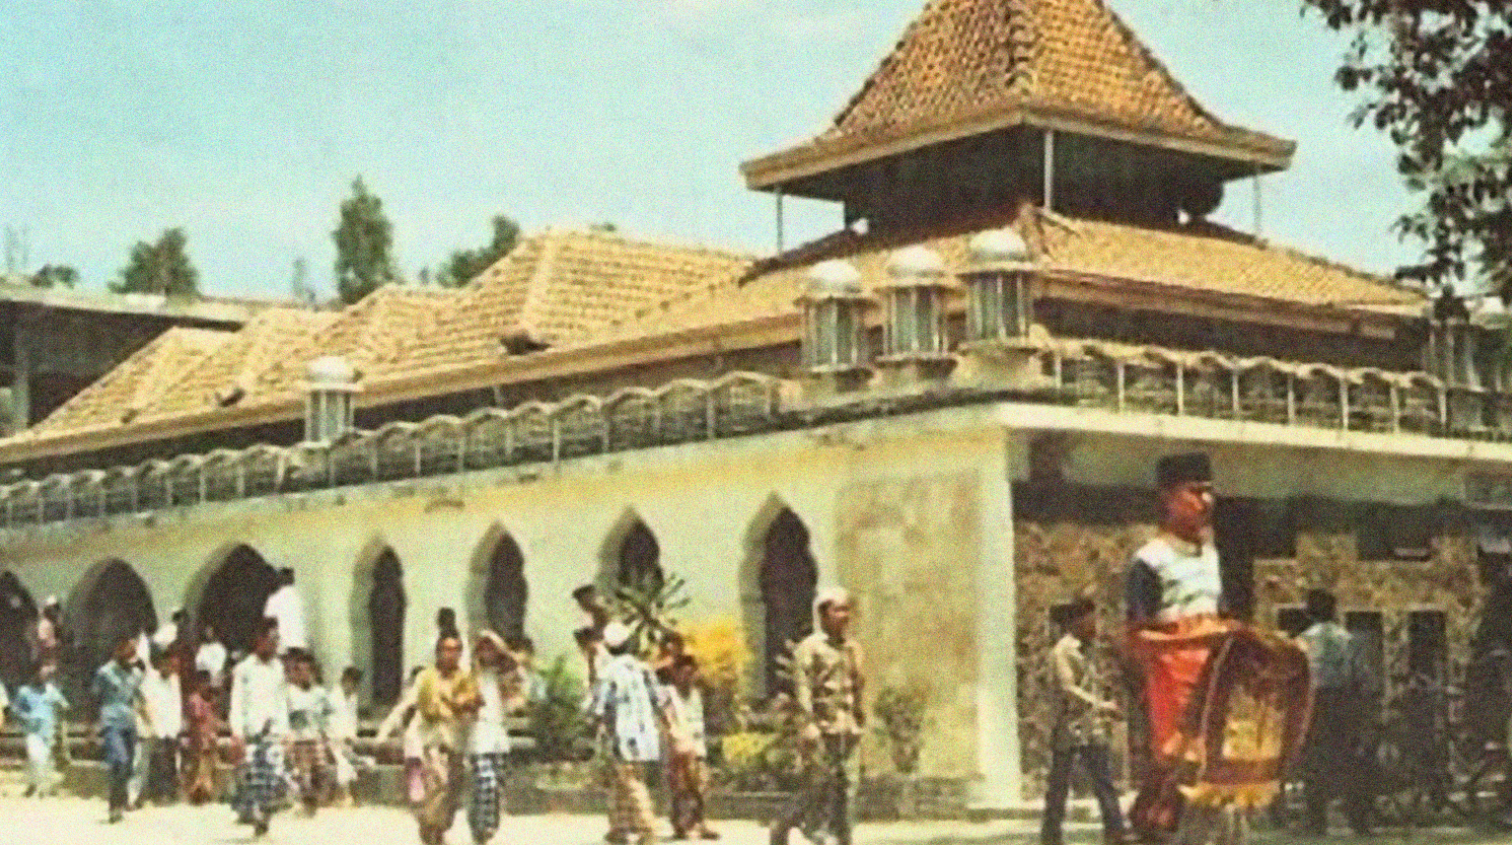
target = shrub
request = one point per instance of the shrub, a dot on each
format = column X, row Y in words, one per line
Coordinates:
column 900, row 724
column 719, row 647
column 557, row 721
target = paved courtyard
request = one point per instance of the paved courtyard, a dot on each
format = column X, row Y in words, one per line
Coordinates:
column 79, row 822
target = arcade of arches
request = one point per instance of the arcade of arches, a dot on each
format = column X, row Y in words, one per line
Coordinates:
column 116, row 600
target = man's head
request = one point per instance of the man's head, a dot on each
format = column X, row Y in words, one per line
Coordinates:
column 165, row 660
column 265, row 644
column 524, row 650
column 448, row 653
column 351, row 678
column 41, row 671
column 179, row 617
column 300, row 666
column 124, row 651
column 1185, row 483
column 1081, row 618
column 834, row 609
column 618, row 638
column 489, row 649
column 52, row 608
column 586, row 597
column 1321, row 606
column 685, row 671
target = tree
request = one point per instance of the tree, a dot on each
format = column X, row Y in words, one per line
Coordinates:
column 55, row 276
column 363, row 241
column 1437, row 77
column 465, row 264
column 161, row 268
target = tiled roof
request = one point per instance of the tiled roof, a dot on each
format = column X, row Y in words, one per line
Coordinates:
column 226, row 376
column 135, row 384
column 562, row 287
column 1200, row 259
column 964, row 62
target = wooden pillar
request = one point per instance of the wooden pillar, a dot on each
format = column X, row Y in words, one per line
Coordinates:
column 1049, row 163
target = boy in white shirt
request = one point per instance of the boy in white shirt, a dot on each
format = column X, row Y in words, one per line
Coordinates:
column 259, row 721
column 687, row 750
column 309, row 716
column 164, row 703
column 343, row 732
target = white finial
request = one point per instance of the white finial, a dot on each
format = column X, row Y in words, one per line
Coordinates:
column 999, row 249
column 834, row 279
column 331, row 372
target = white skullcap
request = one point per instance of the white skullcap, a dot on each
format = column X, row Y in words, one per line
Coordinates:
column 831, row 595
column 616, row 635
column 52, row 601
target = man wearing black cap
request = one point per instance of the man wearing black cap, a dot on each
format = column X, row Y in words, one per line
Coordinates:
column 1332, row 765
column 1173, row 594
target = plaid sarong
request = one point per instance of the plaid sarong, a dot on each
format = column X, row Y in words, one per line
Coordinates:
column 262, row 782
column 485, row 804
column 630, row 810
column 308, row 765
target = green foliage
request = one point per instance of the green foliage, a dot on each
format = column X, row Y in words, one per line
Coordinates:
column 648, row 606
column 364, row 239
column 557, row 721
column 161, row 268
column 1437, row 78
column 900, row 724
column 764, row 755
column 55, row 276
column 466, row 264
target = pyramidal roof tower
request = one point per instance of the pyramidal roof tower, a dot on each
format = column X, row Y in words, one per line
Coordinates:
column 983, row 104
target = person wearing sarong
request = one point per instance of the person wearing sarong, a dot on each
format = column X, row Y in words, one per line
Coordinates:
column 259, row 721
column 446, row 699
column 828, row 687
column 626, row 707
column 1332, row 764
column 687, row 750
column 343, row 733
column 309, row 718
column 499, row 697
column 117, row 688
column 1173, row 595
column 204, row 728
column 160, row 745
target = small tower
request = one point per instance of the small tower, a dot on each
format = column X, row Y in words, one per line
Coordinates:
column 915, row 345
column 328, row 400
column 1002, row 337
column 834, row 328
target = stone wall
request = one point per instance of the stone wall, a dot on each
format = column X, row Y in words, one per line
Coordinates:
column 1071, row 538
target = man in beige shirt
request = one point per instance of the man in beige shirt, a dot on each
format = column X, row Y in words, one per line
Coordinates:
column 1082, row 713
column 828, row 686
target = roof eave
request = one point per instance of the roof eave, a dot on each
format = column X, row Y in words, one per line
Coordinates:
column 1267, row 154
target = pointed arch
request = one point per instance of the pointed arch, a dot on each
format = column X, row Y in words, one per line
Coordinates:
column 632, row 556
column 18, row 615
column 777, row 586
column 378, row 606
column 110, row 602
column 234, row 596
column 498, row 592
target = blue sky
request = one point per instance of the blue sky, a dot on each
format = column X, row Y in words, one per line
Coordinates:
column 244, row 121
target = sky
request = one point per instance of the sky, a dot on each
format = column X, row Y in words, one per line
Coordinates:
column 245, row 122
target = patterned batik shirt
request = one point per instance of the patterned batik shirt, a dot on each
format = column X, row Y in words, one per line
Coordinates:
column 1080, row 695
column 828, row 681
column 626, row 702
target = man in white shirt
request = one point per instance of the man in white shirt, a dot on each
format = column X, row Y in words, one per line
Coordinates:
column 165, row 708
column 285, row 606
column 499, row 696
column 167, row 634
column 259, row 722
column 211, row 657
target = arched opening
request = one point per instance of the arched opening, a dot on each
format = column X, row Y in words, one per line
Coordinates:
column 115, row 605
column 18, row 613
column 235, row 597
column 505, row 590
column 788, row 578
column 385, row 610
column 639, row 560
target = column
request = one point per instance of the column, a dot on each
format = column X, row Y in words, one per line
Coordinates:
column 998, row 758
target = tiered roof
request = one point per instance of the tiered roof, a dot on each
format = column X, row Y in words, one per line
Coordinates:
column 966, row 67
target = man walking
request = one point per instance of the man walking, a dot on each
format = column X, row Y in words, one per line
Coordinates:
column 626, row 705
column 828, row 686
column 1082, row 711
column 1332, row 765
column 446, row 700
column 117, row 688
column 164, row 703
column 259, row 721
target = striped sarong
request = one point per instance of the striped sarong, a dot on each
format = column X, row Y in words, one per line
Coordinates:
column 262, row 782
column 486, row 801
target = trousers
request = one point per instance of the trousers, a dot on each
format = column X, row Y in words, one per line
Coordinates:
column 824, row 808
column 1094, row 759
column 120, row 751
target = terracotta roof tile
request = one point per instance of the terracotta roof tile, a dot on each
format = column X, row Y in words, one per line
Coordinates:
column 225, row 376
column 561, row 287
column 135, row 384
column 1200, row 258
column 963, row 61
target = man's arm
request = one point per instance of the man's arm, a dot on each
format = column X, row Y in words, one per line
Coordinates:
column 1065, row 677
column 1141, row 595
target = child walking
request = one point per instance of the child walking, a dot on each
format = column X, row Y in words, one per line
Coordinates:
column 687, row 751
column 38, row 706
column 309, row 715
column 342, row 732
column 203, row 735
